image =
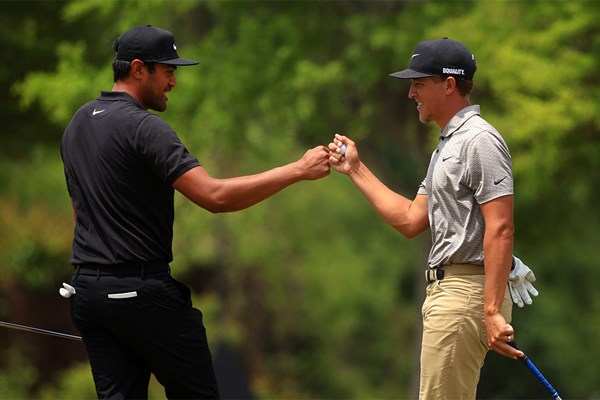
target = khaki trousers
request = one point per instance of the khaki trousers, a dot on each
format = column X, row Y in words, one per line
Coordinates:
column 454, row 336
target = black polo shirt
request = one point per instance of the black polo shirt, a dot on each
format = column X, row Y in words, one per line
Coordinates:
column 120, row 163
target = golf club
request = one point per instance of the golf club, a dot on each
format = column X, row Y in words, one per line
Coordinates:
column 38, row 330
column 531, row 366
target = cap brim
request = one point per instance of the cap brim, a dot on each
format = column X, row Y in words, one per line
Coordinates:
column 409, row 74
column 178, row 61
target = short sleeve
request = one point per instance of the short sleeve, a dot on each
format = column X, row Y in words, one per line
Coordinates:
column 489, row 167
column 162, row 150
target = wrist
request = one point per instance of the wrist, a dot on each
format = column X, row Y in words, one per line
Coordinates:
column 357, row 172
column 491, row 311
column 292, row 173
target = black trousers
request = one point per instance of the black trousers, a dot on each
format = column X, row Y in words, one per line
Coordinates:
column 142, row 323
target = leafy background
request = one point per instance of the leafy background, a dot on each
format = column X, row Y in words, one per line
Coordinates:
column 310, row 294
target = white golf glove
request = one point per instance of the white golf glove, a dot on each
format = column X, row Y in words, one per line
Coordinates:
column 519, row 282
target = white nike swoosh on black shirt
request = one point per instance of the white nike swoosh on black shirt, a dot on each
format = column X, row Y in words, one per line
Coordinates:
column 97, row 111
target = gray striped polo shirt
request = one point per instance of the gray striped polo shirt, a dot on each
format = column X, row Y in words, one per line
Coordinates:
column 470, row 166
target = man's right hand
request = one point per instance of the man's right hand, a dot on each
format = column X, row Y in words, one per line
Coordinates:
column 343, row 163
column 315, row 163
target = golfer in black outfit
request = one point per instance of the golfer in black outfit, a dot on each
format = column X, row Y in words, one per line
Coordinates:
column 122, row 165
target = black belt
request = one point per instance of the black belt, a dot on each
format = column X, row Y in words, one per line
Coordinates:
column 124, row 269
column 433, row 274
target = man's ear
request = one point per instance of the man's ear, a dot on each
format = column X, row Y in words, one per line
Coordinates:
column 137, row 68
column 450, row 84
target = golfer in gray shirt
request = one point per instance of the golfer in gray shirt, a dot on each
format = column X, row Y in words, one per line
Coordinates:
column 466, row 200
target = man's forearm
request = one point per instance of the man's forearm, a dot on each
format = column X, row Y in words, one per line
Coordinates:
column 242, row 192
column 498, row 250
column 406, row 216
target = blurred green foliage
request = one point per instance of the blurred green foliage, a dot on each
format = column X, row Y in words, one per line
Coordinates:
column 316, row 294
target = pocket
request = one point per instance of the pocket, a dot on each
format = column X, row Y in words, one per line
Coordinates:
column 125, row 295
column 131, row 300
column 459, row 285
column 167, row 294
column 151, row 293
column 184, row 292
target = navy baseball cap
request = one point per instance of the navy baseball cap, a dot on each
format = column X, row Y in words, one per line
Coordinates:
column 149, row 44
column 440, row 57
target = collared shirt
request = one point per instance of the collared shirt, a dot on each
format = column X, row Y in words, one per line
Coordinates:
column 120, row 162
column 470, row 166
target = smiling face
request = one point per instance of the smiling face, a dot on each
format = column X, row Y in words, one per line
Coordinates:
column 156, row 85
column 429, row 93
column 439, row 98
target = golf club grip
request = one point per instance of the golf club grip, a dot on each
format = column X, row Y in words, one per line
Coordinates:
column 531, row 366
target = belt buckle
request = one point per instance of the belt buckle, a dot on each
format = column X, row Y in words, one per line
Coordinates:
column 434, row 274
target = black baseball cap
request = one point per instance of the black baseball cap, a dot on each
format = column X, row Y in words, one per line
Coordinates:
column 440, row 57
column 149, row 44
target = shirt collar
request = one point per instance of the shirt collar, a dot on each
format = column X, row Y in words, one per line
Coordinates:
column 458, row 120
column 116, row 96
